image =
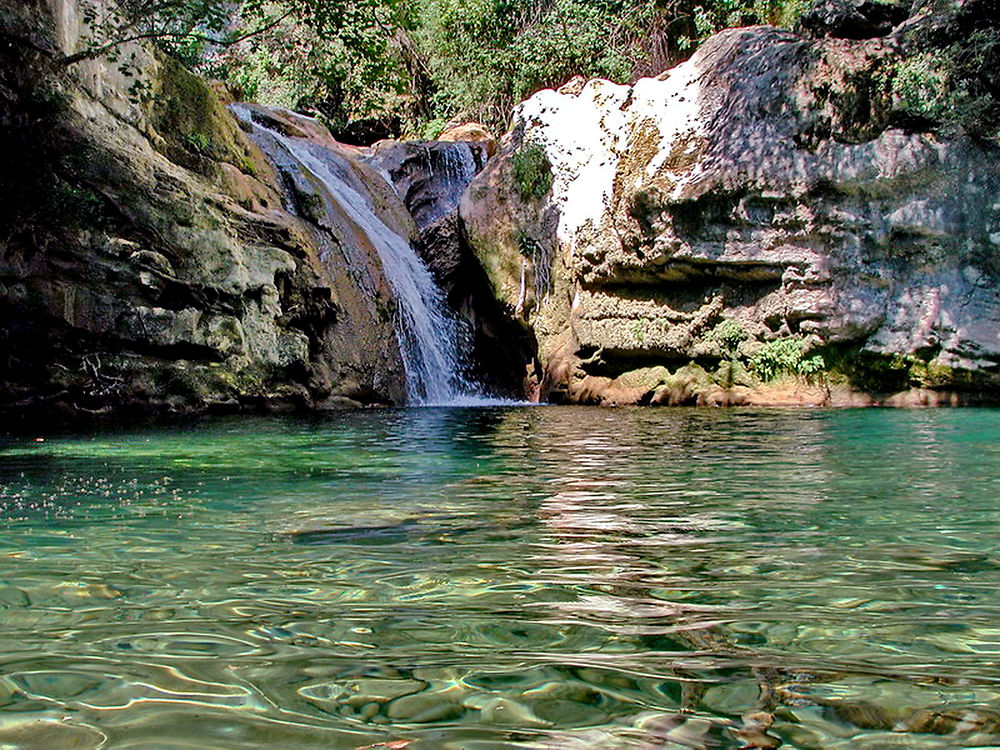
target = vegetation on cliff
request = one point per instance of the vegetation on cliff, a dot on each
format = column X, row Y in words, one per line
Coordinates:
column 372, row 67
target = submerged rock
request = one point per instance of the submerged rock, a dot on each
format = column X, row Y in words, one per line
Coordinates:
column 759, row 188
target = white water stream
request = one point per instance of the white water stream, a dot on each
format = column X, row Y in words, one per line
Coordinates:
column 428, row 333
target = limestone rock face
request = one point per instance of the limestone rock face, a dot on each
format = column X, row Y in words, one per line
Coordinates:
column 164, row 266
column 760, row 183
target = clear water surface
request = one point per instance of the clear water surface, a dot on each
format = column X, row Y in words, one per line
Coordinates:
column 505, row 578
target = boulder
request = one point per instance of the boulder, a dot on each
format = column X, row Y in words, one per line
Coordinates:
column 759, row 186
column 470, row 132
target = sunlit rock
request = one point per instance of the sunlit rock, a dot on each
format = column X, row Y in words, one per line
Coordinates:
column 760, row 182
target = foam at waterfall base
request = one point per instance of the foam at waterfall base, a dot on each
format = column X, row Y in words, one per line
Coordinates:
column 473, row 401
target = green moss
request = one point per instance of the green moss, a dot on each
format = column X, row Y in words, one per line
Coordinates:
column 240, row 382
column 532, row 171
column 690, row 379
column 310, row 204
column 195, row 126
column 733, row 372
column 889, row 373
column 645, row 378
column 639, row 329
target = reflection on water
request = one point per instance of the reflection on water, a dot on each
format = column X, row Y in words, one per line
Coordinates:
column 506, row 577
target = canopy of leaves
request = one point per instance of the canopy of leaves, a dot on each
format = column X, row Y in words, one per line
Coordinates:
column 418, row 62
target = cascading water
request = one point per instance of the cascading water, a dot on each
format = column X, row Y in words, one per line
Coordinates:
column 428, row 333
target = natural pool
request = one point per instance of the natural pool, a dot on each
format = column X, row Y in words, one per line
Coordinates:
column 505, row 578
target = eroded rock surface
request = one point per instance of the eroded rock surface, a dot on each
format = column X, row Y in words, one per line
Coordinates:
column 761, row 185
column 164, row 265
column 430, row 178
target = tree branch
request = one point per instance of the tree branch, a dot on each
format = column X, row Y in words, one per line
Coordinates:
column 97, row 51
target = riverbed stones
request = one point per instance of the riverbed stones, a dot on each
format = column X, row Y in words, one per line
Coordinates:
column 424, row 708
column 507, row 712
column 44, row 735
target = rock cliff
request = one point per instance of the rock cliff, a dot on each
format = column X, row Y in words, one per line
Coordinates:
column 430, row 178
column 150, row 256
column 760, row 224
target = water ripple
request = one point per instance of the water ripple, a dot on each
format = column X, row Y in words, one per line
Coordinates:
column 505, row 578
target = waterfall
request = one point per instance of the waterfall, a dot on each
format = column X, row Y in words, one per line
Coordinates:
column 427, row 331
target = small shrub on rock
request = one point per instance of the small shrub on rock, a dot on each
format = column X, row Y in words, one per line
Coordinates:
column 532, row 171
column 785, row 357
column 729, row 334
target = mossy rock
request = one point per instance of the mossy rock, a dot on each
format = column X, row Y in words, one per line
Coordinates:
column 644, row 378
column 891, row 373
column 195, row 127
column 683, row 386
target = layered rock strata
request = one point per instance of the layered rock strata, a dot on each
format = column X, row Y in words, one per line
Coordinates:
column 754, row 215
column 151, row 258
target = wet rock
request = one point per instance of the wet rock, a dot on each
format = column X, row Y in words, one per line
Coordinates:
column 45, row 735
column 507, row 712
column 423, row 708
column 431, row 177
column 753, row 733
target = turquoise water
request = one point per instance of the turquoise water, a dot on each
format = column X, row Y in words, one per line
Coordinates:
column 505, row 578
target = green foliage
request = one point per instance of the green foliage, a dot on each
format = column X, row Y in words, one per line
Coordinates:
column 709, row 18
column 951, row 85
column 784, row 356
column 920, row 84
column 532, row 171
column 341, row 65
column 639, row 329
column 485, row 56
column 420, row 61
column 729, row 334
column 199, row 143
column 811, row 365
column 433, row 129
